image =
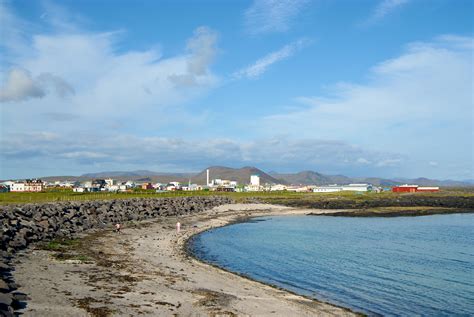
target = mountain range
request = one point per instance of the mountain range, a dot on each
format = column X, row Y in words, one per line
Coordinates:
column 242, row 176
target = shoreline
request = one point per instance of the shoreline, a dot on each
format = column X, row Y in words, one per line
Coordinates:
column 391, row 212
column 190, row 254
column 147, row 271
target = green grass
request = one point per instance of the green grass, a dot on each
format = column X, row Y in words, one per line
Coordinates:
column 66, row 249
column 275, row 197
column 60, row 244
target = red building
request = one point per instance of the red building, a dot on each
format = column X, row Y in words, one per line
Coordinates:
column 405, row 189
column 413, row 189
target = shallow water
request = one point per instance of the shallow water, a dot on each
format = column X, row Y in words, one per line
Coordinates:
column 389, row 266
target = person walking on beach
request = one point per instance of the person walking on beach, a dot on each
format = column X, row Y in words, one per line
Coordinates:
column 178, row 227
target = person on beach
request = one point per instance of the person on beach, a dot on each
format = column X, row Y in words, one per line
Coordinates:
column 178, row 227
column 117, row 227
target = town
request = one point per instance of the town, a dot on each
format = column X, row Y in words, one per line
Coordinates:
column 217, row 184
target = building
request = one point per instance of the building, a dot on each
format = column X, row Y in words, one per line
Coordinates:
column 29, row 185
column 357, row 187
column 147, row 186
column 405, row 189
column 18, row 187
column 278, row 187
column 8, row 184
column 430, row 189
column 254, row 180
column 327, row 189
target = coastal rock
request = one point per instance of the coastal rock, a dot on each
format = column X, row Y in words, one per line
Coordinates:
column 6, row 299
column 4, row 288
column 21, row 225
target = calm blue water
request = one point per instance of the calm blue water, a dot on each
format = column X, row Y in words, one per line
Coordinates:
column 390, row 266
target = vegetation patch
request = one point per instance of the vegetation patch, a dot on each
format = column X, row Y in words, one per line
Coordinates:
column 90, row 305
column 273, row 196
column 66, row 249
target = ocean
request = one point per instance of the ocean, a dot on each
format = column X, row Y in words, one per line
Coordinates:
column 378, row 266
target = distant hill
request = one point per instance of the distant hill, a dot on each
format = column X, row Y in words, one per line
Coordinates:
column 433, row 182
column 306, row 178
column 311, row 177
column 241, row 175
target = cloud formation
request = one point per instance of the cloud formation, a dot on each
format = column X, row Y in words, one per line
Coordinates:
column 119, row 151
column 269, row 16
column 20, row 85
column 261, row 65
column 202, row 51
column 415, row 103
column 384, row 8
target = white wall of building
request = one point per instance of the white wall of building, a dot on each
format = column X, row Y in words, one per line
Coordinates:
column 356, row 187
column 18, row 187
column 327, row 189
column 254, row 180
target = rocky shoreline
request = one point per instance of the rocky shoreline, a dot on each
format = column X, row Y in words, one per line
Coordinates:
column 146, row 271
column 409, row 200
column 399, row 212
column 22, row 225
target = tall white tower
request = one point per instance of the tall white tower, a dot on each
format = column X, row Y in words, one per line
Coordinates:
column 207, row 172
column 254, row 180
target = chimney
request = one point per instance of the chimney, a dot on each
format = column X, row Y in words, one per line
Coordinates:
column 207, row 172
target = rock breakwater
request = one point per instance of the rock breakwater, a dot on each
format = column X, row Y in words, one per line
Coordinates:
column 21, row 225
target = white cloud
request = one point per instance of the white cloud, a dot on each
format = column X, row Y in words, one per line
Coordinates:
column 111, row 90
column 268, row 16
column 262, row 64
column 389, row 162
column 202, row 50
column 362, row 160
column 384, row 8
column 419, row 103
column 117, row 151
column 122, row 85
column 20, row 85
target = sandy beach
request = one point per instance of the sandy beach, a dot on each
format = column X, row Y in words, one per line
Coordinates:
column 145, row 271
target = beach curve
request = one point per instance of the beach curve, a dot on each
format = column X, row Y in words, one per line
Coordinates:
column 147, row 271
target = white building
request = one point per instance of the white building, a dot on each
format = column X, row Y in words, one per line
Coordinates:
column 327, row 189
column 29, row 185
column 17, row 187
column 113, row 188
column 278, row 187
column 357, row 187
column 109, row 182
column 254, row 180
column 130, row 184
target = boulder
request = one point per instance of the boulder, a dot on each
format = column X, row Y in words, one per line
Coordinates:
column 4, row 287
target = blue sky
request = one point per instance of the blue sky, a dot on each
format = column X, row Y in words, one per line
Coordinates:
column 361, row 88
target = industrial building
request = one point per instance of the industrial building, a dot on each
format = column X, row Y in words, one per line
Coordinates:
column 413, row 189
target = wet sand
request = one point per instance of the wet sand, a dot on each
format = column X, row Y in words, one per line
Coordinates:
column 145, row 271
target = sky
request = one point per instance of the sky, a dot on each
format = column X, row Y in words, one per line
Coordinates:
column 379, row 88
